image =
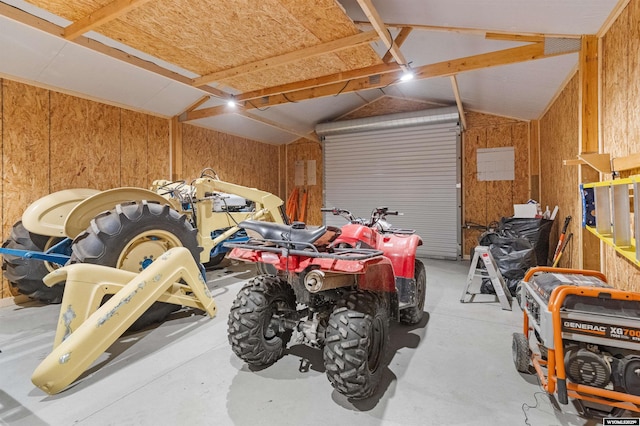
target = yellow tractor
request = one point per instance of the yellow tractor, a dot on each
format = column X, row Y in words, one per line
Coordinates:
column 128, row 228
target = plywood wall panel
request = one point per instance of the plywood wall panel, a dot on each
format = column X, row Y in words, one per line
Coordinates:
column 489, row 201
column 474, row 199
column 304, row 150
column 51, row 141
column 69, row 143
column 387, row 105
column 520, row 140
column 236, row 160
column 134, row 150
column 499, row 193
column 201, row 149
column 559, row 139
column 621, row 117
column 158, row 149
column 103, row 156
column 25, row 156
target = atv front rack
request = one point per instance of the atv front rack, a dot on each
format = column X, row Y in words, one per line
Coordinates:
column 288, row 248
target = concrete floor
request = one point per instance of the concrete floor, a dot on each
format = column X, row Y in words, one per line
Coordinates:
column 455, row 368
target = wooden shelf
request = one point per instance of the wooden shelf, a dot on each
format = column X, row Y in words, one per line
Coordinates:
column 612, row 204
column 603, row 163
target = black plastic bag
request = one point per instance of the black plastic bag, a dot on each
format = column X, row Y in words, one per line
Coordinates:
column 535, row 230
column 514, row 257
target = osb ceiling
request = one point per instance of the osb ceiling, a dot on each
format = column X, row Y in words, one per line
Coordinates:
column 288, row 64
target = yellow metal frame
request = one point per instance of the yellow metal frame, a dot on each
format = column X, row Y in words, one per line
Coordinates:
column 628, row 251
column 85, row 329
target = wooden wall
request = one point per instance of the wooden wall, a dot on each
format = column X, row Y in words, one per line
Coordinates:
column 51, row 141
column 236, row 160
column 487, row 201
column 621, row 117
column 304, row 150
column 559, row 134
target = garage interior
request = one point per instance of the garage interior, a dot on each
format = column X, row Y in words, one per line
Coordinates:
column 104, row 94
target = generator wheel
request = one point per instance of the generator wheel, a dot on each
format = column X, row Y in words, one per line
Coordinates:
column 414, row 314
column 25, row 275
column 521, row 352
column 355, row 345
column 130, row 237
column 254, row 336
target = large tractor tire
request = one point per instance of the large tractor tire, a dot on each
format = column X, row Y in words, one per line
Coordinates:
column 25, row 275
column 252, row 335
column 356, row 343
column 130, row 237
column 412, row 316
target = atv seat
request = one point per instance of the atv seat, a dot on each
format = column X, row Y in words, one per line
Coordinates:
column 276, row 232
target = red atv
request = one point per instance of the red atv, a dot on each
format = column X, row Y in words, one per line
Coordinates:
column 336, row 287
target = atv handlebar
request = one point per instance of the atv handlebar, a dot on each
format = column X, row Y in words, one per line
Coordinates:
column 379, row 213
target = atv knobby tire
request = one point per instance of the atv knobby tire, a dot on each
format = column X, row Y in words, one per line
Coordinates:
column 355, row 345
column 25, row 275
column 414, row 314
column 252, row 335
column 130, row 237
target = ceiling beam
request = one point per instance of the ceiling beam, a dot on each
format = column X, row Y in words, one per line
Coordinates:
column 440, row 69
column 311, row 136
column 456, row 93
column 514, row 37
column 378, row 24
column 474, row 31
column 400, row 38
column 107, row 13
column 287, row 58
column 319, row 81
column 32, row 21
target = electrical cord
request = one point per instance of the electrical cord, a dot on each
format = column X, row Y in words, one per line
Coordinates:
column 526, row 407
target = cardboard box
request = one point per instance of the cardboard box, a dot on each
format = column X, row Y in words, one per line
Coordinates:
column 525, row 210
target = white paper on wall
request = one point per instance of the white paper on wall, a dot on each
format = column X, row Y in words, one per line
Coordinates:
column 311, row 172
column 496, row 163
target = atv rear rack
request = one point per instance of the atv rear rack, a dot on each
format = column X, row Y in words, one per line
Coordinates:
column 287, row 248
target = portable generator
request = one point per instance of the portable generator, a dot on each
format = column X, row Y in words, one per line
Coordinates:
column 582, row 337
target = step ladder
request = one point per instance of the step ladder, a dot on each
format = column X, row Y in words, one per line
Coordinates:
column 492, row 272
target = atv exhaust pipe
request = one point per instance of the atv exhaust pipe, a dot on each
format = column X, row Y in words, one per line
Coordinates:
column 318, row 280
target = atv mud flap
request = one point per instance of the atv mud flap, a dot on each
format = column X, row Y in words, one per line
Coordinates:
column 407, row 295
column 85, row 330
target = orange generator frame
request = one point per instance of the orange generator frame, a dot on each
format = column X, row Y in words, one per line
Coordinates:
column 587, row 335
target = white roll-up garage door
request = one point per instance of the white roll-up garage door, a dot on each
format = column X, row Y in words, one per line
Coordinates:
column 412, row 168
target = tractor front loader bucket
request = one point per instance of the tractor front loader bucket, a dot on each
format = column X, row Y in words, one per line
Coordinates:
column 85, row 330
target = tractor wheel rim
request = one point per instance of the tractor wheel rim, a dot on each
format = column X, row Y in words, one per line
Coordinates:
column 144, row 248
column 51, row 266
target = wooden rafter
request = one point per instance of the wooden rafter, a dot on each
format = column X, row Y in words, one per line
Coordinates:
column 107, row 13
column 400, row 38
column 287, row 58
column 514, row 37
column 440, row 69
column 25, row 18
column 319, row 81
column 378, row 24
column 456, row 93
column 474, row 31
column 310, row 136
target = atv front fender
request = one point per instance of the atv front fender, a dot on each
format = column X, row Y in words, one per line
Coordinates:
column 80, row 217
column 401, row 250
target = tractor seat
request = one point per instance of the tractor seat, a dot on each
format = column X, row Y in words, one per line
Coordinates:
column 295, row 233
